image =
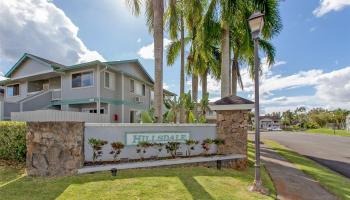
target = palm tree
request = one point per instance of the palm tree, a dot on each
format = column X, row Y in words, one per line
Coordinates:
column 242, row 43
column 174, row 18
column 154, row 13
column 222, row 12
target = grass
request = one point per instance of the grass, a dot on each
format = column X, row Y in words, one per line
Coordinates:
column 327, row 131
column 161, row 183
column 333, row 182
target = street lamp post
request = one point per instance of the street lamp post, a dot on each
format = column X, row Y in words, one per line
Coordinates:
column 256, row 23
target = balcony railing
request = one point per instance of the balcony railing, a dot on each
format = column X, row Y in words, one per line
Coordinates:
column 56, row 94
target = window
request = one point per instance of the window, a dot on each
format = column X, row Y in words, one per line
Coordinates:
column 92, row 110
column 143, row 90
column 135, row 116
column 132, row 85
column 83, row 79
column 13, row 90
column 107, row 80
column 132, row 116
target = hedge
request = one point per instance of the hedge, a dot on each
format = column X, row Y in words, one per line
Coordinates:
column 13, row 140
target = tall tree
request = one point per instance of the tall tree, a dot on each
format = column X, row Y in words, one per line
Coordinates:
column 154, row 13
column 222, row 11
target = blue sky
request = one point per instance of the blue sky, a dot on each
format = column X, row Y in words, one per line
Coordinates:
column 312, row 67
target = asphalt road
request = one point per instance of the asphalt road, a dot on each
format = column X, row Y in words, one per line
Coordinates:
column 330, row 151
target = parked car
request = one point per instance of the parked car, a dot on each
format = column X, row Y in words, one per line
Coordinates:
column 274, row 129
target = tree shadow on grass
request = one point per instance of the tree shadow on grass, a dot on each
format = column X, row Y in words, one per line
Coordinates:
column 51, row 188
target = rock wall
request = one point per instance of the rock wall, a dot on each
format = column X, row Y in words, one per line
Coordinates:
column 54, row 148
column 232, row 126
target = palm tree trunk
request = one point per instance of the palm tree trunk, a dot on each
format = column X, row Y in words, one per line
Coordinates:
column 182, row 70
column 234, row 73
column 158, row 9
column 204, row 83
column 194, row 87
column 225, row 60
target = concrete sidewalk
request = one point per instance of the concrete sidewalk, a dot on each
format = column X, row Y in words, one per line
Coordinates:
column 290, row 182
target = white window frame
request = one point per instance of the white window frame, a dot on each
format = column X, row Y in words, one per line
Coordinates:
column 137, row 112
column 143, row 86
column 19, row 90
column 133, row 92
column 79, row 72
column 109, row 81
column 87, row 110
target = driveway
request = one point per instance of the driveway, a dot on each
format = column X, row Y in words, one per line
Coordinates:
column 330, row 151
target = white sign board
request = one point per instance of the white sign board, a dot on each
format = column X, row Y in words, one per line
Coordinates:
column 161, row 137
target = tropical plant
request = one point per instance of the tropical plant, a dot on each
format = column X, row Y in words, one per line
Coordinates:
column 174, row 106
column 172, row 148
column 204, row 107
column 190, row 146
column 154, row 14
column 158, row 147
column 141, row 148
column 116, row 149
column 146, row 117
column 97, row 145
column 218, row 142
column 206, row 145
column 189, row 106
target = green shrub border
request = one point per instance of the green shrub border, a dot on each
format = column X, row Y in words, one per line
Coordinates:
column 13, row 140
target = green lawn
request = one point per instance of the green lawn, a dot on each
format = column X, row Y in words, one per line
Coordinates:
column 161, row 183
column 333, row 182
column 328, row 132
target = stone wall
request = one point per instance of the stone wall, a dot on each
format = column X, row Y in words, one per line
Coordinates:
column 54, row 148
column 232, row 126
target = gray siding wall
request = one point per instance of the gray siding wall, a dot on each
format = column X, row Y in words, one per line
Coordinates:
column 10, row 107
column 131, row 68
column 37, row 103
column 130, row 97
column 30, row 67
column 78, row 93
column 116, row 132
column 22, row 92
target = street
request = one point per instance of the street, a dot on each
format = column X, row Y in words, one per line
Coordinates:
column 330, row 151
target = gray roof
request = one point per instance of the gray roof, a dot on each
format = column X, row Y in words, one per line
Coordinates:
column 231, row 100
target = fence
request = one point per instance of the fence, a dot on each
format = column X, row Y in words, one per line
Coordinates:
column 131, row 134
column 56, row 116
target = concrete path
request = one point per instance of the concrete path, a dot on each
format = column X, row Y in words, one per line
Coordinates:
column 330, row 151
column 290, row 182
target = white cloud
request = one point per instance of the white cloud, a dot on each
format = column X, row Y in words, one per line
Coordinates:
column 41, row 28
column 280, row 62
column 166, row 86
column 312, row 29
column 147, row 52
column 327, row 6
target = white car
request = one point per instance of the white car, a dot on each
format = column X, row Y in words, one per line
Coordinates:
column 274, row 129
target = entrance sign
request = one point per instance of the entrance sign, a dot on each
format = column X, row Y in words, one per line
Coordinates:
column 158, row 137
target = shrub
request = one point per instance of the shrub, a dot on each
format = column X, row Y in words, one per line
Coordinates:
column 141, row 148
column 13, row 141
column 172, row 148
column 190, row 146
column 96, row 145
column 116, row 149
column 206, row 144
column 158, row 147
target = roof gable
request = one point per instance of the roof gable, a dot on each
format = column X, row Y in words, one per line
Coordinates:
column 42, row 62
column 134, row 61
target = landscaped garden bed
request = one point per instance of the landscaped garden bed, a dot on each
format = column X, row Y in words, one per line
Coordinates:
column 183, row 183
column 173, row 149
